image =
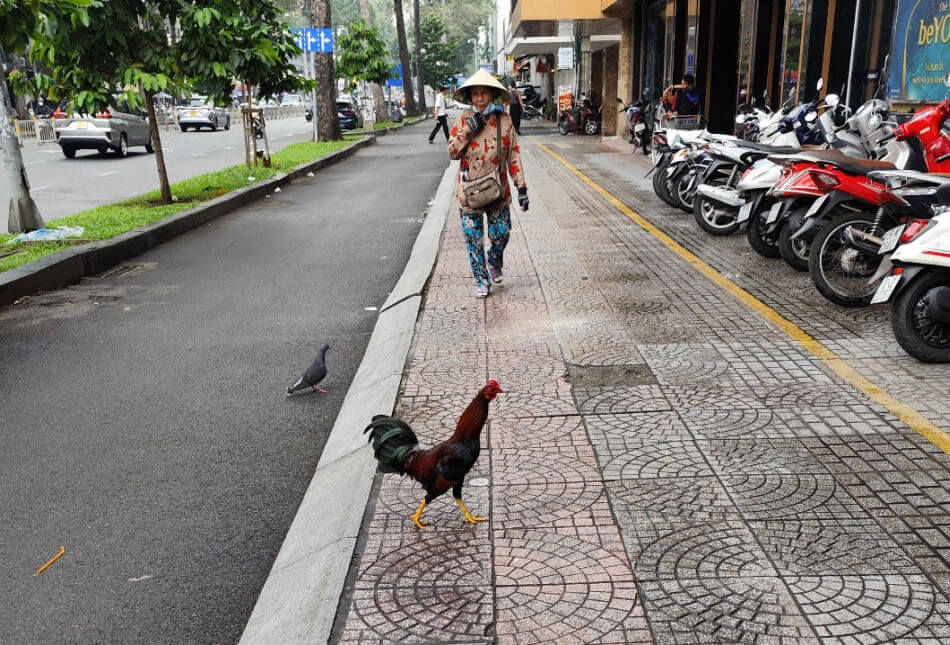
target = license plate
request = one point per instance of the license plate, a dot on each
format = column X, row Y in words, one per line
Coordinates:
column 773, row 213
column 891, row 239
column 640, row 127
column 80, row 125
column 192, row 113
column 885, row 289
column 744, row 212
column 816, row 206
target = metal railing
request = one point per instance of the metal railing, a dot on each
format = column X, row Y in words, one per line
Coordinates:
column 34, row 132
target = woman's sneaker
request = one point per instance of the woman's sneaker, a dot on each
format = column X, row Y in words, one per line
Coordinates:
column 494, row 274
column 482, row 291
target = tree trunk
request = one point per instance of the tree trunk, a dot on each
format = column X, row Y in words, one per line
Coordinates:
column 328, row 128
column 379, row 101
column 157, row 145
column 23, row 216
column 417, row 36
column 404, row 59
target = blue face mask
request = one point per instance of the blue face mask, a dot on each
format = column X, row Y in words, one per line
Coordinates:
column 488, row 110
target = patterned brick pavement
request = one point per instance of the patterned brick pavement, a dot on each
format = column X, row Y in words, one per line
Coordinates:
column 665, row 465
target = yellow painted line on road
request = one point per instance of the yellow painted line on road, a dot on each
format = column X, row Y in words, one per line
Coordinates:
column 918, row 422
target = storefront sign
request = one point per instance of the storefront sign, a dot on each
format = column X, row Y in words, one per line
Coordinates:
column 565, row 98
column 920, row 56
column 565, row 58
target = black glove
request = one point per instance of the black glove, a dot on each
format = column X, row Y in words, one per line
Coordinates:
column 475, row 122
column 523, row 199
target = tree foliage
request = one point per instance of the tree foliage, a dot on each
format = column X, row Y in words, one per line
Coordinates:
column 441, row 61
column 362, row 54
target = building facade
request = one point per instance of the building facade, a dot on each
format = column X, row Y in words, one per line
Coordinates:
column 756, row 51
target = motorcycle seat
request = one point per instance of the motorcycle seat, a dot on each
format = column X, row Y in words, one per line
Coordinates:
column 767, row 149
column 850, row 165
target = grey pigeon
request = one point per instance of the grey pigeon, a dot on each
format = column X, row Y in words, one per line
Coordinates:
column 314, row 374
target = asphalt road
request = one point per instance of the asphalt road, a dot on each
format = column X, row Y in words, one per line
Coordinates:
column 63, row 186
column 143, row 418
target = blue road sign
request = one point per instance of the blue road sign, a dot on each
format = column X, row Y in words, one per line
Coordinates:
column 315, row 39
column 396, row 77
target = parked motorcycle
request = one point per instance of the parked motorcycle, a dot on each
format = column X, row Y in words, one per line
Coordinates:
column 919, row 287
column 308, row 114
column 584, row 118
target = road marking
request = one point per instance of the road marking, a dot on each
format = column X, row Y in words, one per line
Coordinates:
column 38, row 189
column 914, row 419
column 111, row 172
column 197, row 154
column 30, row 163
column 51, row 152
column 229, row 148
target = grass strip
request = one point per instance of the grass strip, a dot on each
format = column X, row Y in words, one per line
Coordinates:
column 107, row 221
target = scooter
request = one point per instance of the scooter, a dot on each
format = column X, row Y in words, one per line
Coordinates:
column 584, row 119
column 918, row 289
column 308, row 114
column 258, row 123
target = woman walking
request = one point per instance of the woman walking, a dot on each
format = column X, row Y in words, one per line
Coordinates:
column 483, row 189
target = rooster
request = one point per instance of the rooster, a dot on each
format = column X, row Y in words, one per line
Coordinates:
column 441, row 467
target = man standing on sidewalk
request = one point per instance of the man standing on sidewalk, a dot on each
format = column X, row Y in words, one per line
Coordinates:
column 442, row 118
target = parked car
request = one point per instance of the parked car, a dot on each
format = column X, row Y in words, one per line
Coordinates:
column 115, row 128
column 201, row 113
column 350, row 117
column 291, row 99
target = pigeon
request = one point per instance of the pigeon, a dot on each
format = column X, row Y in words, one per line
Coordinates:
column 314, row 374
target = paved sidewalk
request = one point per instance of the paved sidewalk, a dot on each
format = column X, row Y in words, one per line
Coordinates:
column 665, row 465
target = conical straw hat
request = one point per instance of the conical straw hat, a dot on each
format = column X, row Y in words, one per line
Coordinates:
column 481, row 78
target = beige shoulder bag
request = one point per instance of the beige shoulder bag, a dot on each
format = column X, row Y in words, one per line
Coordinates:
column 486, row 190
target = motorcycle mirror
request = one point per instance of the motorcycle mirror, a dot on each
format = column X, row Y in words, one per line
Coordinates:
column 619, row 100
column 811, row 117
column 820, row 84
column 832, row 100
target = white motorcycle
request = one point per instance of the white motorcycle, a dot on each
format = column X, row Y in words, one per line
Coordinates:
column 918, row 289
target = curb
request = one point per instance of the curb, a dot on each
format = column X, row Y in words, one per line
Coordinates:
column 301, row 596
column 71, row 265
column 396, row 128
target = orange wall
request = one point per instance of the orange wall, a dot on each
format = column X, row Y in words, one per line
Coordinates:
column 560, row 9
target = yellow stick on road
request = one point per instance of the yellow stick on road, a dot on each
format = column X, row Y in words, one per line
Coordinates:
column 56, row 557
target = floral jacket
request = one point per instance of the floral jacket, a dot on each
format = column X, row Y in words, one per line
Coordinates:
column 479, row 158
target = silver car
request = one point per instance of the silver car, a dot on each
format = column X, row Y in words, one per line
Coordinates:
column 112, row 129
column 200, row 113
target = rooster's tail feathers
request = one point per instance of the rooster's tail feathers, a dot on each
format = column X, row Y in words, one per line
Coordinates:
column 394, row 443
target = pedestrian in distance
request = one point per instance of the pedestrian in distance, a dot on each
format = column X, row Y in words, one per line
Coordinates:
column 517, row 107
column 441, row 115
column 483, row 190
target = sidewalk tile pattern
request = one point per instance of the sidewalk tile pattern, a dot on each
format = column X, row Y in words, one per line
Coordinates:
column 665, row 465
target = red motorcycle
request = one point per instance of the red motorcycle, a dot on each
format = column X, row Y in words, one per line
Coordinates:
column 584, row 119
column 836, row 213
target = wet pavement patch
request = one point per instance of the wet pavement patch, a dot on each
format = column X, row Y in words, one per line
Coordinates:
column 593, row 376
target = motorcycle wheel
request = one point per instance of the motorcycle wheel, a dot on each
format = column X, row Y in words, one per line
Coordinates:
column 840, row 272
column 925, row 339
column 591, row 126
column 794, row 252
column 761, row 242
column 563, row 127
column 660, row 185
column 684, row 192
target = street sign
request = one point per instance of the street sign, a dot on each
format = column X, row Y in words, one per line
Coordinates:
column 315, row 39
column 565, row 58
column 396, row 80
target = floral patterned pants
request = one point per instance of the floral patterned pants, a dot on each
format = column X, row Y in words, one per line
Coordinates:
column 499, row 230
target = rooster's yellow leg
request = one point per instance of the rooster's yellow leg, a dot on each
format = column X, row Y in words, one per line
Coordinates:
column 417, row 517
column 468, row 516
